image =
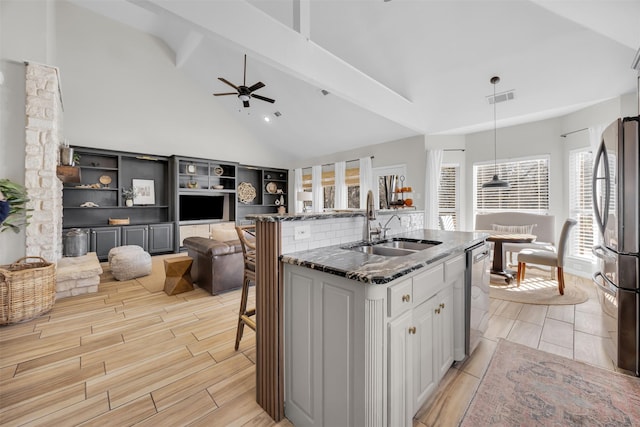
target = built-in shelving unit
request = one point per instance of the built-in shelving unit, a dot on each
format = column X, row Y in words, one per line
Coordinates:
column 103, row 175
column 271, row 186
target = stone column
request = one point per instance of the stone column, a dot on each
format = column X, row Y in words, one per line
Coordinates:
column 42, row 135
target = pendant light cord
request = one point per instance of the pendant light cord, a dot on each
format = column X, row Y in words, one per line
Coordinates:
column 495, row 138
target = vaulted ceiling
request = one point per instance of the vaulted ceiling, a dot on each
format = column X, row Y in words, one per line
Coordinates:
column 393, row 69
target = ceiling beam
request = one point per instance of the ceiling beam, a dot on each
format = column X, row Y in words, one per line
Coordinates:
column 302, row 17
column 275, row 44
column 187, row 47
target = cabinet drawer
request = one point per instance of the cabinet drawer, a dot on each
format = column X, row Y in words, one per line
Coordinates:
column 454, row 268
column 400, row 297
column 426, row 284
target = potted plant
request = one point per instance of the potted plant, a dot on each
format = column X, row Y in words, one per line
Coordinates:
column 13, row 206
column 128, row 194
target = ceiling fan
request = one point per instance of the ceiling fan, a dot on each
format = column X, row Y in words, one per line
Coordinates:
column 243, row 92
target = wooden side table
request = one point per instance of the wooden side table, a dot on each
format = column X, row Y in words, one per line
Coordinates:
column 178, row 275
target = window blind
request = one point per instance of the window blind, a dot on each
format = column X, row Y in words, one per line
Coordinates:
column 448, row 192
column 529, row 181
column 352, row 179
column 581, row 204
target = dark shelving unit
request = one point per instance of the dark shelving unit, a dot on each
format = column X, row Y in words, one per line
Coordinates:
column 103, row 175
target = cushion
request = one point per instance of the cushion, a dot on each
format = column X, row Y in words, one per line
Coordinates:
column 515, row 229
column 129, row 265
column 123, row 250
column 224, row 232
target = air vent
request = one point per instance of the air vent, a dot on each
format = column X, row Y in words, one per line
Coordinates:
column 502, row 97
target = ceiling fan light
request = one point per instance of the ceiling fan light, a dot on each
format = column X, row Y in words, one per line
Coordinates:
column 244, row 98
column 496, row 183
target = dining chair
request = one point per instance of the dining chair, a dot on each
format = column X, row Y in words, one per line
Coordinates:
column 548, row 258
column 446, row 222
column 246, row 316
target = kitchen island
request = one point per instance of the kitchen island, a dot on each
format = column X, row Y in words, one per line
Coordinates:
column 368, row 337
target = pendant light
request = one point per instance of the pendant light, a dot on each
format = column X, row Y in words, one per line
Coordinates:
column 495, row 181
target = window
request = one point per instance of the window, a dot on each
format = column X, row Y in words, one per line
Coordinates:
column 529, row 192
column 581, row 203
column 448, row 193
column 352, row 179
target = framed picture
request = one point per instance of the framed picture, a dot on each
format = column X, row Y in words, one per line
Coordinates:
column 144, row 192
column 191, row 169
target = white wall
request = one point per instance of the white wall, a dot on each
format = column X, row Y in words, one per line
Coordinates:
column 25, row 28
column 122, row 91
column 532, row 139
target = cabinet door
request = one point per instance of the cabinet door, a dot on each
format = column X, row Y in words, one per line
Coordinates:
column 136, row 235
column 400, row 379
column 103, row 239
column 443, row 327
column 160, row 238
column 424, row 367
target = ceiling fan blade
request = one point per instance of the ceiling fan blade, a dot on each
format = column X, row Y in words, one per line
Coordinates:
column 222, row 79
column 245, row 103
column 256, row 86
column 262, row 98
column 228, row 93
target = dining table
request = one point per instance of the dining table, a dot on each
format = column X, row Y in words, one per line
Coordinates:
column 498, row 238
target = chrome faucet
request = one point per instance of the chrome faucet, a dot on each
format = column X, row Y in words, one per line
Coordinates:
column 370, row 216
column 385, row 228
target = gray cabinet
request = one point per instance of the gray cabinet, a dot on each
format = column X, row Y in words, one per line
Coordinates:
column 136, row 235
column 161, row 238
column 102, row 239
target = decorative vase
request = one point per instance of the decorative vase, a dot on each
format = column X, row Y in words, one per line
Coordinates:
column 128, row 202
column 66, row 156
column 282, row 210
column 281, row 200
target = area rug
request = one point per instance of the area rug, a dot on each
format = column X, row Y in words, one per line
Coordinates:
column 537, row 290
column 154, row 282
column 528, row 387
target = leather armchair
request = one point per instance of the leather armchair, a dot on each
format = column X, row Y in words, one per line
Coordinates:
column 217, row 266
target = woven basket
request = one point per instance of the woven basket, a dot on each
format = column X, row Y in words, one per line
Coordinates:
column 27, row 289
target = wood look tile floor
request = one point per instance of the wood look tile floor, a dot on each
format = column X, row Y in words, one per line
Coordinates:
column 127, row 355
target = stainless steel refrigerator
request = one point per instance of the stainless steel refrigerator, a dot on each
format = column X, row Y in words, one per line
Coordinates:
column 616, row 200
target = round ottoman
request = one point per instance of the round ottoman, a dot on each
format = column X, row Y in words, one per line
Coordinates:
column 129, row 262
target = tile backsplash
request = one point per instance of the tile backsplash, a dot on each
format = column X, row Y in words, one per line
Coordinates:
column 339, row 231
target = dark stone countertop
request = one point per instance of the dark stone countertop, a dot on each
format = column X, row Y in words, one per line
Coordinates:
column 377, row 269
column 347, row 213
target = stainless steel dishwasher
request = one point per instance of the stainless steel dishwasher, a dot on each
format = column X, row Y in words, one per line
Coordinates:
column 476, row 296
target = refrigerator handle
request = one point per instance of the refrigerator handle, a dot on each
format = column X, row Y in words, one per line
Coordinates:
column 601, row 156
column 600, row 252
column 601, row 286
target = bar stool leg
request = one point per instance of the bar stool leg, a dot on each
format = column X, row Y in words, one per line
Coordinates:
column 243, row 308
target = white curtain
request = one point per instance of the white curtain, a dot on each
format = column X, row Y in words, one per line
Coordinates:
column 432, row 183
column 366, row 178
column 316, row 188
column 297, row 187
column 341, row 186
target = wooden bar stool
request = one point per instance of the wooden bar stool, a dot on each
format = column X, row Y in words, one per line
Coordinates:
column 246, row 234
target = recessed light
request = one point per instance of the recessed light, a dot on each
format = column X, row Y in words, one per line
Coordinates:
column 267, row 119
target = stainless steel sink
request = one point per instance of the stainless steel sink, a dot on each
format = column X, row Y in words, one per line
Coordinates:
column 412, row 245
column 394, row 247
column 381, row 250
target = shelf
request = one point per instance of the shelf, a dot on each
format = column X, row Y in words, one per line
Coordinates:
column 119, row 207
column 98, row 168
